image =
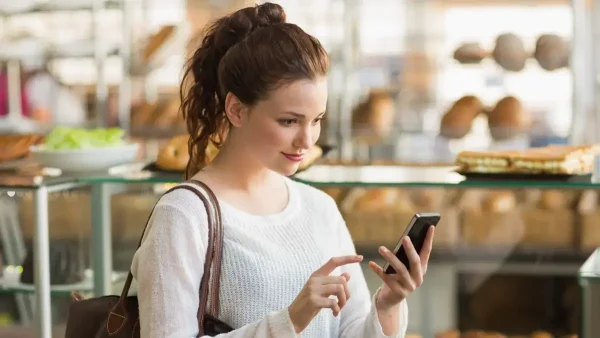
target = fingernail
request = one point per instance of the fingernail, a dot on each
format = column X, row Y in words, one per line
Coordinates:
column 359, row 257
column 406, row 240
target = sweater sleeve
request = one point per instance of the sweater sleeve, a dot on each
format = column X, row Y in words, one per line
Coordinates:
column 359, row 316
column 168, row 270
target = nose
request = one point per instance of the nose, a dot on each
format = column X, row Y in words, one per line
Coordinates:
column 304, row 139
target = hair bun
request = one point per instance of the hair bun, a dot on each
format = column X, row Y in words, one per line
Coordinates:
column 268, row 14
column 247, row 20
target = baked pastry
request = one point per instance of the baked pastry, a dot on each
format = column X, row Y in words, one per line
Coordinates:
column 499, row 201
column 372, row 120
column 376, row 199
column 483, row 161
column 143, row 115
column 510, row 53
column 156, row 41
column 174, row 156
column 457, row 121
column 469, row 53
column 312, row 155
column 15, row 146
column 554, row 159
column 508, row 119
column 167, row 114
column 551, row 52
column 553, row 200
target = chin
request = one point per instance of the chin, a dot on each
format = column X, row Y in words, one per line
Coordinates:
column 288, row 170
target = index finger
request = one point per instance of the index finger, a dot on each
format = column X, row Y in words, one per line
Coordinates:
column 426, row 249
column 336, row 262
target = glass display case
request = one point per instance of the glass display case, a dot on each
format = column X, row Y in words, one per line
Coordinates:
column 522, row 240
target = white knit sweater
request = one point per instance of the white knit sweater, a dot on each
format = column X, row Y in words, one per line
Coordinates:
column 266, row 262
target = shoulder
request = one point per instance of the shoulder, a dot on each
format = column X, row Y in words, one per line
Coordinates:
column 184, row 202
column 314, row 198
column 179, row 211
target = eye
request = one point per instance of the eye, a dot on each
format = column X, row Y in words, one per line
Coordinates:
column 317, row 120
column 287, row 122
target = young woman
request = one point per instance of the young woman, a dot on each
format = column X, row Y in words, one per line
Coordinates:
column 289, row 265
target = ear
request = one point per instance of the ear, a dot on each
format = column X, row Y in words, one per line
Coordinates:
column 234, row 109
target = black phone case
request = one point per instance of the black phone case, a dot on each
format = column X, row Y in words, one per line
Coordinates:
column 417, row 234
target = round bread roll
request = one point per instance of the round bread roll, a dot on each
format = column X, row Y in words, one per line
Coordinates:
column 376, row 199
column 541, row 334
column 553, row 200
column 373, row 119
column 508, row 119
column 457, row 121
column 470, row 53
column 551, row 52
column 510, row 53
column 499, row 201
column 174, row 155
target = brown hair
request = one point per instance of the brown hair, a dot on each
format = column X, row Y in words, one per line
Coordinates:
column 248, row 53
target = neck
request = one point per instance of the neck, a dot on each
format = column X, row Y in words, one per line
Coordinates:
column 233, row 166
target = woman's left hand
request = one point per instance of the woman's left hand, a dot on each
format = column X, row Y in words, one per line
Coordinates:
column 396, row 287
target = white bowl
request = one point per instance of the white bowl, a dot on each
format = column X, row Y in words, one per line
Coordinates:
column 85, row 160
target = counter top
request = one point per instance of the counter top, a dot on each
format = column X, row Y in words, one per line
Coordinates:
column 319, row 176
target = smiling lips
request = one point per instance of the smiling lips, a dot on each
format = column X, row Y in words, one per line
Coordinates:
column 294, row 157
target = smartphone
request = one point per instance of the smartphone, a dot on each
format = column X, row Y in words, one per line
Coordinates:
column 416, row 231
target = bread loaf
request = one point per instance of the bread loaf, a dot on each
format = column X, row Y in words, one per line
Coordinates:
column 469, row 53
column 174, row 155
column 551, row 52
column 457, row 121
column 508, row 119
column 372, row 120
column 510, row 53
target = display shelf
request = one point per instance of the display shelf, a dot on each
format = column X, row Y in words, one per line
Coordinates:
column 390, row 176
column 318, row 176
column 10, row 283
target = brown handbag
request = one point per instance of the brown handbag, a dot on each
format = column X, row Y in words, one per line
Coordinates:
column 118, row 316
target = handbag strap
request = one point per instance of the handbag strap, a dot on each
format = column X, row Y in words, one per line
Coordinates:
column 214, row 252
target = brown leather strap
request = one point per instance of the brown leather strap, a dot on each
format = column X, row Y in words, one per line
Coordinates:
column 218, row 249
column 212, row 263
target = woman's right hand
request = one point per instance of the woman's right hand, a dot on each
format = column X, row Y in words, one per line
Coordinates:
column 315, row 294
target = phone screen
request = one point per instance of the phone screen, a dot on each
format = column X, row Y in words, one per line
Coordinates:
column 417, row 232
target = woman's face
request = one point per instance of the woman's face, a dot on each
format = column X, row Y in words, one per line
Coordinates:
column 277, row 131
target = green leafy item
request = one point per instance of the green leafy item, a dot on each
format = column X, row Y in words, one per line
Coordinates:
column 77, row 138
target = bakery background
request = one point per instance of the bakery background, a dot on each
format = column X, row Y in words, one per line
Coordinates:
column 413, row 84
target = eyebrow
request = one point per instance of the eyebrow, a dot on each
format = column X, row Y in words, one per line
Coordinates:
column 301, row 115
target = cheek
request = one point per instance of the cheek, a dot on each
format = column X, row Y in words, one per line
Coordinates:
column 271, row 135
